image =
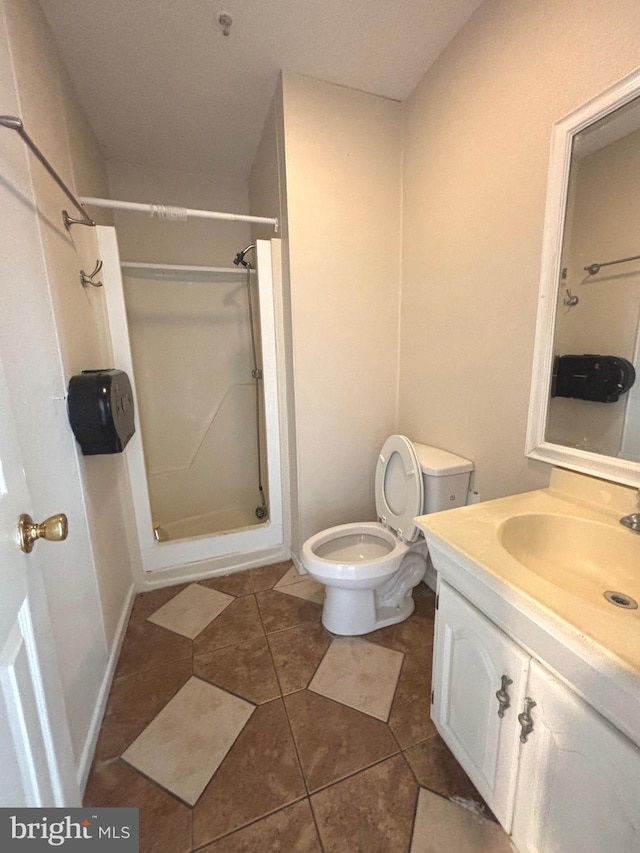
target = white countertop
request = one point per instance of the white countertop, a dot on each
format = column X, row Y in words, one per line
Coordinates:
column 590, row 643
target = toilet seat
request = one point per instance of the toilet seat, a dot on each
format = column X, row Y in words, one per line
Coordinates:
column 398, row 488
column 331, row 555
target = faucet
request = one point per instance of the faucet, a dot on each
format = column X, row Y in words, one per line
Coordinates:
column 631, row 521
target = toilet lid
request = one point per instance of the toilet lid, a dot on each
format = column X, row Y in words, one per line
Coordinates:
column 399, row 487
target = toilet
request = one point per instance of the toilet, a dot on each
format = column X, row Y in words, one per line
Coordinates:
column 369, row 569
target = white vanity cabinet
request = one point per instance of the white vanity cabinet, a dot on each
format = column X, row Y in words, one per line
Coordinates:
column 573, row 785
column 579, row 778
column 474, row 660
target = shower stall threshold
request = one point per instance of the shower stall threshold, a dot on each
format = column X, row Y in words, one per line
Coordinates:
column 210, row 523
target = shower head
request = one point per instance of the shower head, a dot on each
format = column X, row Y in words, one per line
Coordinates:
column 239, row 258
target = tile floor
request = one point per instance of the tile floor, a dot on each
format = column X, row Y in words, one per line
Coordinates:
column 236, row 722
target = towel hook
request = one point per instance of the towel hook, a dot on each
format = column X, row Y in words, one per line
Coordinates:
column 88, row 279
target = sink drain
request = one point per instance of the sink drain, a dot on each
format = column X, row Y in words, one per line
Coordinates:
column 621, row 600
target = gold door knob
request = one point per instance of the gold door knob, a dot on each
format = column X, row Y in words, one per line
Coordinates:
column 55, row 529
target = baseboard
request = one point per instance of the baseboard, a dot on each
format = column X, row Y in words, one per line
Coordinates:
column 297, row 562
column 103, row 694
column 205, row 569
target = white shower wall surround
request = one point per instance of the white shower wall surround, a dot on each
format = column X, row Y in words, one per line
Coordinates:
column 185, row 343
column 191, row 346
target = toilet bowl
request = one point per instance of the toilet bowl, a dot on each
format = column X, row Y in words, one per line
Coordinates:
column 369, row 569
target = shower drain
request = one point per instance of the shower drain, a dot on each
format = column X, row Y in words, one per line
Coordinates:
column 621, row 600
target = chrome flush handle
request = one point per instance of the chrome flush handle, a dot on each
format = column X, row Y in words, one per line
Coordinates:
column 525, row 719
column 502, row 696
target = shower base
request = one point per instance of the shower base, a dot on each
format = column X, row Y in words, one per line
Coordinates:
column 213, row 522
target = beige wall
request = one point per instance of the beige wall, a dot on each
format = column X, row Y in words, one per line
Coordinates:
column 88, row 577
column 197, row 242
column 477, row 131
column 343, row 160
column 267, row 181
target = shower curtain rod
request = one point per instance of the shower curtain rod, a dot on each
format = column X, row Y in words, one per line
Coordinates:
column 143, row 265
column 178, row 214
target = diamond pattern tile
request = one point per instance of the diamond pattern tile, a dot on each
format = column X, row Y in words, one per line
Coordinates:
column 260, row 775
column 265, row 577
column 165, row 822
column 296, row 653
column 245, row 669
column 302, row 586
column 239, row 583
column 292, row 576
column 237, row 722
column 371, row 811
column 334, row 741
column 291, row 830
column 279, row 612
column 435, row 767
column 135, row 700
column 146, row 646
column 443, row 825
column 359, row 674
column 185, row 744
column 239, row 622
column 410, row 718
column 191, row 610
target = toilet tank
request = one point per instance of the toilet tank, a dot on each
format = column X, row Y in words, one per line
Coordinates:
column 445, row 477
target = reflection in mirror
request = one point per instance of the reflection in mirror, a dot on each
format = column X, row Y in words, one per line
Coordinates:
column 595, row 402
column 584, row 409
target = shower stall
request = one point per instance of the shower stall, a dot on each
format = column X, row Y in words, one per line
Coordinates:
column 199, row 344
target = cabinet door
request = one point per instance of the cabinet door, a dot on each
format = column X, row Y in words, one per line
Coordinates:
column 578, row 787
column 470, row 657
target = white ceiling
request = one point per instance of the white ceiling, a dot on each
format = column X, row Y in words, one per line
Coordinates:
column 161, row 84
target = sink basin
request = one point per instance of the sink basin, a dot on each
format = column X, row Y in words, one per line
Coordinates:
column 579, row 555
column 538, row 564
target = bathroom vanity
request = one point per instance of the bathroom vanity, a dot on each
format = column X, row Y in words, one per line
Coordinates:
column 536, row 686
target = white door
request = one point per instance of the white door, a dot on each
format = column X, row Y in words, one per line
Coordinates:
column 35, row 747
column 474, row 661
column 579, row 781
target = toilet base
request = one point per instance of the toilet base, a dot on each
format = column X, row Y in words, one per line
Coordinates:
column 392, row 615
column 352, row 612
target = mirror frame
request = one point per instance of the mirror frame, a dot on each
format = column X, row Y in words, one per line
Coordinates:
column 587, row 462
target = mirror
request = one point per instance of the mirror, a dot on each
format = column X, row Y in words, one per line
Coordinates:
column 584, row 409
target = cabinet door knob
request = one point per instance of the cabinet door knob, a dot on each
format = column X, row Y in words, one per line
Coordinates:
column 502, row 696
column 525, row 719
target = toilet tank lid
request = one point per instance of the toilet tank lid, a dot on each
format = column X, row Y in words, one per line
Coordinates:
column 440, row 463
